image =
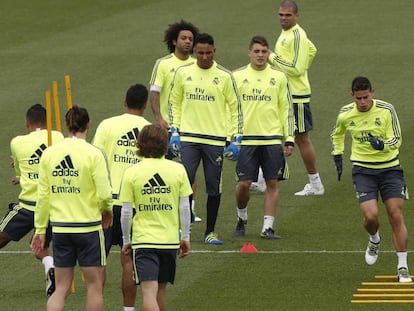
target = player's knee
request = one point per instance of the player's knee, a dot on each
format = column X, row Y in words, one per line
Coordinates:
column 243, row 185
column 396, row 218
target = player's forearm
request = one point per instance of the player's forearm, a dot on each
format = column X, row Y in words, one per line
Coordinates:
column 185, row 218
column 155, row 104
column 337, row 145
column 174, row 111
column 126, row 222
column 292, row 69
column 41, row 216
column 103, row 185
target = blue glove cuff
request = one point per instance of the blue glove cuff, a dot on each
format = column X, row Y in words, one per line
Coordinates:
column 237, row 139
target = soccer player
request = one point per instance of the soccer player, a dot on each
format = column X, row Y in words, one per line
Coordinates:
column 268, row 124
column 294, row 53
column 201, row 93
column 376, row 138
column 75, row 193
column 179, row 38
column 117, row 136
column 159, row 190
column 19, row 219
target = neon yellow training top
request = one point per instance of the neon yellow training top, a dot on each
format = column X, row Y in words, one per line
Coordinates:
column 294, row 54
column 117, row 137
column 26, row 151
column 74, row 188
column 380, row 121
column 162, row 77
column 266, row 105
column 199, row 102
column 154, row 186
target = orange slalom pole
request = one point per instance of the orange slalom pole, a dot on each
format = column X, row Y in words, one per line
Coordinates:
column 56, row 106
column 48, row 118
column 68, row 92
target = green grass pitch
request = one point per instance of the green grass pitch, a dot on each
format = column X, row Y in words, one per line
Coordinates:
column 105, row 46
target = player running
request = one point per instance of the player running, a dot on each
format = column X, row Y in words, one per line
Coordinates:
column 376, row 139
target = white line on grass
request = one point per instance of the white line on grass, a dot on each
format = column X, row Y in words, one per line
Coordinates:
column 238, row 251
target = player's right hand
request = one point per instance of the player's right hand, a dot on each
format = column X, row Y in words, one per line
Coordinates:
column 232, row 151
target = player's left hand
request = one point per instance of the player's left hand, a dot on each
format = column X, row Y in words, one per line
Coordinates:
column 376, row 142
column 288, row 150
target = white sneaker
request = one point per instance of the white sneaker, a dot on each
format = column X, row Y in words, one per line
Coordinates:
column 371, row 254
column 404, row 275
column 259, row 187
column 309, row 190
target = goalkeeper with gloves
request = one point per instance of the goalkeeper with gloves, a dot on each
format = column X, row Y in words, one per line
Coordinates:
column 202, row 98
column 376, row 138
column 268, row 133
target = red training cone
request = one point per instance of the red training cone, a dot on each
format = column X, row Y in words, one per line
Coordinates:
column 248, row 248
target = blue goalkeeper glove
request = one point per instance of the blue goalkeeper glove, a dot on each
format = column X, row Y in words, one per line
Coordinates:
column 232, row 151
column 175, row 142
column 376, row 142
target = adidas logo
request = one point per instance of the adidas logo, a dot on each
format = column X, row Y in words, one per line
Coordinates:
column 35, row 157
column 65, row 168
column 155, row 185
column 129, row 139
column 189, row 79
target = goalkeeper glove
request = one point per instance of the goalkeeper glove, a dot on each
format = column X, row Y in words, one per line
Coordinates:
column 175, row 142
column 232, row 151
column 338, row 164
column 376, row 142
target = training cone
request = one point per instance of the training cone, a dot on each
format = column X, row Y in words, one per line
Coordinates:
column 248, row 248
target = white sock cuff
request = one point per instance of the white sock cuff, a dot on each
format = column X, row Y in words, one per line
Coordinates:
column 47, row 262
column 242, row 213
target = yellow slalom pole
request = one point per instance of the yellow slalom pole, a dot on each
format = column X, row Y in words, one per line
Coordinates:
column 383, row 301
column 48, row 118
column 393, row 290
column 68, row 92
column 382, row 295
column 56, row 106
